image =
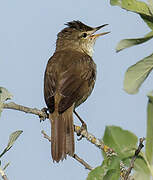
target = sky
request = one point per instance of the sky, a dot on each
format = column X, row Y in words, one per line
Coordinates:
column 28, row 32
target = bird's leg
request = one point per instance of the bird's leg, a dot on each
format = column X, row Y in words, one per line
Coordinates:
column 83, row 126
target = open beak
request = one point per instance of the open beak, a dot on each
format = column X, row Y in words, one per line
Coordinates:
column 100, row 34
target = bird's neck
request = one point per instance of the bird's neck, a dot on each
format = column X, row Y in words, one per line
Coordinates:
column 75, row 46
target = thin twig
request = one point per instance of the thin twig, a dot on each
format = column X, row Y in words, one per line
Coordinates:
column 123, row 171
column 134, row 158
column 87, row 166
column 2, row 173
column 46, row 136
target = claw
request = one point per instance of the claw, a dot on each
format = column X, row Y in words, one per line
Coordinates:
column 80, row 138
column 44, row 110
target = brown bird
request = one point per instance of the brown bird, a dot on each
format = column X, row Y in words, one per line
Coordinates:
column 69, row 79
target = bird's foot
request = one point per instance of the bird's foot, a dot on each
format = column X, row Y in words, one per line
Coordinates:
column 83, row 126
column 44, row 110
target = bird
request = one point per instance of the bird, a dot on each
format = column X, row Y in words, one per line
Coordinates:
column 68, row 81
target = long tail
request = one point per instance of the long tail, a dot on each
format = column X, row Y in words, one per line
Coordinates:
column 62, row 134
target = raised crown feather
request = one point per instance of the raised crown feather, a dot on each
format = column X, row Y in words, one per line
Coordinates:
column 78, row 25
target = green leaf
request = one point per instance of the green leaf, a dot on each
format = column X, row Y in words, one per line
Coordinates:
column 112, row 174
column 123, row 142
column 136, row 74
column 109, row 170
column 132, row 5
column 96, row 174
column 151, row 6
column 1, row 108
column 149, row 138
column 150, row 96
column 140, row 165
column 115, row 2
column 13, row 137
column 148, row 20
column 141, row 176
column 143, row 9
column 136, row 6
column 125, row 43
column 113, row 169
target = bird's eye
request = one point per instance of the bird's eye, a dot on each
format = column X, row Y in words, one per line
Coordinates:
column 84, row 35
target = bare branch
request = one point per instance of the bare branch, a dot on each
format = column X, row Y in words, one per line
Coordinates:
column 123, row 171
column 87, row 166
column 42, row 114
column 134, row 158
column 97, row 142
column 83, row 132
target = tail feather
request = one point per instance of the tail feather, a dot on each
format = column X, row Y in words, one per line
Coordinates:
column 62, row 134
column 69, row 136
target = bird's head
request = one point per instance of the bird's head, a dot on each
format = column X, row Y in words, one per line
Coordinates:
column 78, row 36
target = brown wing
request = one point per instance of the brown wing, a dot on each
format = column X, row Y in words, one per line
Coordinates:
column 77, row 81
column 50, row 85
column 72, row 75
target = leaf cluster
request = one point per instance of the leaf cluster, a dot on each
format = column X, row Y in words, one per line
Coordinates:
column 137, row 73
column 124, row 143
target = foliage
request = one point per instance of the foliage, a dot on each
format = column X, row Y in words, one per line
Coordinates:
column 123, row 142
column 109, row 170
column 137, row 73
